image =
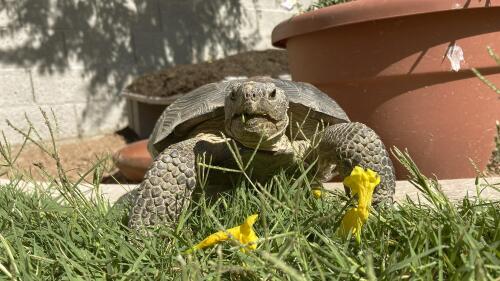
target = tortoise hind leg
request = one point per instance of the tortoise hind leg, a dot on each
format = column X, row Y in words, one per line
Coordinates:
column 351, row 144
column 167, row 186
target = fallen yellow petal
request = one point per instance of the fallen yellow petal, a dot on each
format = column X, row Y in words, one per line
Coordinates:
column 212, row 240
column 244, row 233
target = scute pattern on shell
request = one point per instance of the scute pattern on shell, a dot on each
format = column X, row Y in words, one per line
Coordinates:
column 311, row 97
column 199, row 102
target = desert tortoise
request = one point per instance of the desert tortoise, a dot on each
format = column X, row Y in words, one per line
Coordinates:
column 279, row 117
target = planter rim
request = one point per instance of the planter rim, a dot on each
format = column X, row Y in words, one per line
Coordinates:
column 150, row 100
column 359, row 11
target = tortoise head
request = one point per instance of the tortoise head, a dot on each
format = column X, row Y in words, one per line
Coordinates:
column 255, row 109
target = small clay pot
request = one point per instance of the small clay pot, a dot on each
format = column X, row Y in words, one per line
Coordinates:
column 143, row 111
column 133, row 160
column 403, row 67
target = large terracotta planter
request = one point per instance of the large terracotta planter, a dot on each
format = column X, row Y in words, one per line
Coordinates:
column 386, row 64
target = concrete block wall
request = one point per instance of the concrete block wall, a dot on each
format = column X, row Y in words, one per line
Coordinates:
column 74, row 57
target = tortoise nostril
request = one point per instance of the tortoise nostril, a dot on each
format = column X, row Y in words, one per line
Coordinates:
column 272, row 94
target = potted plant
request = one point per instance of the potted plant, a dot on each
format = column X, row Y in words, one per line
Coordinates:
column 403, row 67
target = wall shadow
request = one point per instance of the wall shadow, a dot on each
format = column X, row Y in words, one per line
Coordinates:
column 112, row 41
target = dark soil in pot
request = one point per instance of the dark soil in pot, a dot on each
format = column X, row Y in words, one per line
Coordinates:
column 184, row 78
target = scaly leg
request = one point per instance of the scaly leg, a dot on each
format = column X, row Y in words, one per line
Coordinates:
column 167, row 186
column 349, row 144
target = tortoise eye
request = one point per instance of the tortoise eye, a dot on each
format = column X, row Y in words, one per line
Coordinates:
column 234, row 88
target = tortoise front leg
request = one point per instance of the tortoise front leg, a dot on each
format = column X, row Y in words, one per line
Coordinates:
column 347, row 145
column 167, row 186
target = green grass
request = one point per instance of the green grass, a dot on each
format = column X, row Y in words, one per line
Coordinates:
column 87, row 240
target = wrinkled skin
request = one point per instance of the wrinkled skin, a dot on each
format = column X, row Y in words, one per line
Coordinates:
column 256, row 111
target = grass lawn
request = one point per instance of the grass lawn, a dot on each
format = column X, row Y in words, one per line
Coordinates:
column 87, row 240
column 75, row 238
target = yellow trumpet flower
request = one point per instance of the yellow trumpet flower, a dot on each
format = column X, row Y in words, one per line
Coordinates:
column 362, row 183
column 244, row 233
column 317, row 193
column 317, row 190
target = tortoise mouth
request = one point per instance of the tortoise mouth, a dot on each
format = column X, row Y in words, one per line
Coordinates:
column 245, row 125
column 245, row 118
column 250, row 129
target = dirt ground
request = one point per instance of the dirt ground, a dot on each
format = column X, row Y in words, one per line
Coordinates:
column 77, row 157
